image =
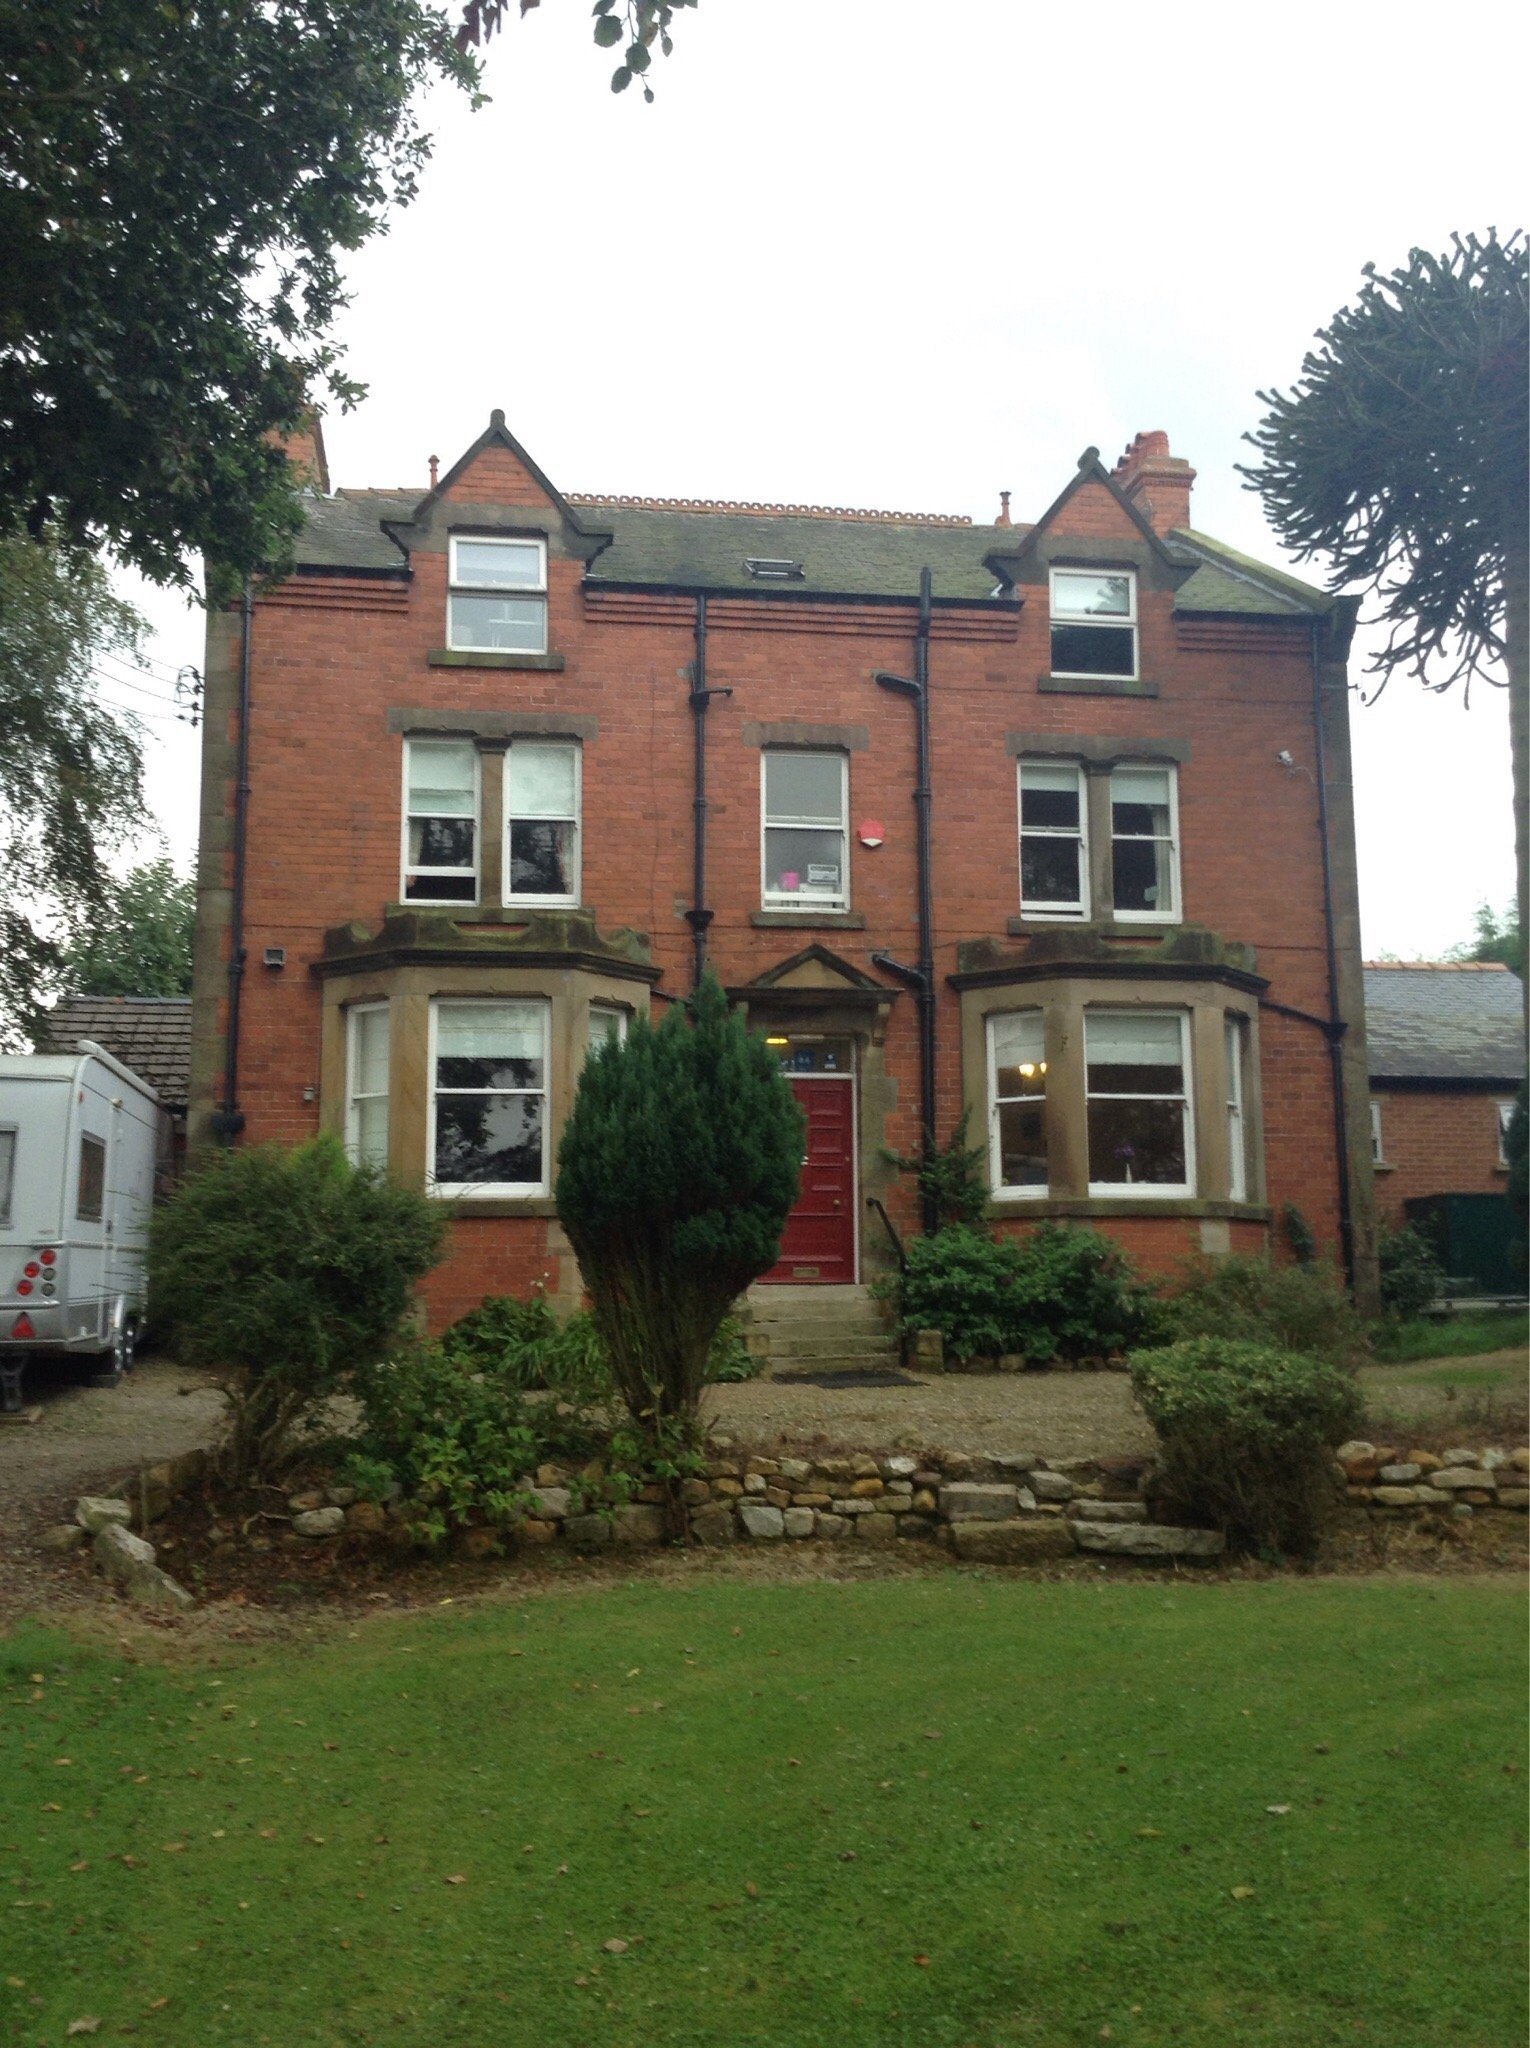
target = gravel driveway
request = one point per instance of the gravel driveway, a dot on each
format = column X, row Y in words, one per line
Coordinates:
column 86, row 1435
column 1057, row 1415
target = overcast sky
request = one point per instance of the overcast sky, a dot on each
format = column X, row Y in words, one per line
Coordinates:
column 878, row 253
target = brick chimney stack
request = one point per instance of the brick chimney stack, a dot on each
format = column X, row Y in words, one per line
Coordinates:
column 1157, row 482
column 304, row 449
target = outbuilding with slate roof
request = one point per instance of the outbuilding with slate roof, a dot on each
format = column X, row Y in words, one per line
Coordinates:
column 1447, row 1053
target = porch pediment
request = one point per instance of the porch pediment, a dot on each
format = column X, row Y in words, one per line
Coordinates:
column 814, row 967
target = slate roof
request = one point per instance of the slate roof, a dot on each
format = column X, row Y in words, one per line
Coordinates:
column 1445, row 1023
column 841, row 555
column 150, row 1034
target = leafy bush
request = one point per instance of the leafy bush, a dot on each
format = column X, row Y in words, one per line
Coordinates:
column 730, row 1360
column 524, row 1343
column 1290, row 1308
column 1058, row 1293
column 458, row 1440
column 1246, row 1437
column 1411, row 1275
column 286, row 1269
column 954, row 1178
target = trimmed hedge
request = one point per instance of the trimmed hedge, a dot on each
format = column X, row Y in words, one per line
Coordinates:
column 1059, row 1292
column 1246, row 1438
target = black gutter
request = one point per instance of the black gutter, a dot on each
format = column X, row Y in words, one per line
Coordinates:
column 228, row 1121
column 922, row 977
column 699, row 917
column 1337, row 1026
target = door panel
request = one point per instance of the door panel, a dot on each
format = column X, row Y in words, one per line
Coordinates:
column 818, row 1243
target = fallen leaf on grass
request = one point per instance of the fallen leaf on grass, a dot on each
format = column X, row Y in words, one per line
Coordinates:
column 752, row 1889
column 1240, row 1892
column 84, row 1864
column 54, row 1807
column 933, row 1735
column 85, row 2026
column 1277, row 1809
column 1150, row 1834
column 268, row 1834
column 173, row 1848
column 615, row 1946
column 923, row 1962
column 457, row 1877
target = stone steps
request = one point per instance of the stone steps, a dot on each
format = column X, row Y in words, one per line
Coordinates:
column 808, row 1329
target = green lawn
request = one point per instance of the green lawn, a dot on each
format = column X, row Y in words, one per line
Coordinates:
column 1463, row 1336
column 956, row 1811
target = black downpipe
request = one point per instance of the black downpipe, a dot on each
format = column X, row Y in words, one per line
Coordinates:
column 922, row 977
column 1337, row 1026
column 699, row 917
column 229, row 1120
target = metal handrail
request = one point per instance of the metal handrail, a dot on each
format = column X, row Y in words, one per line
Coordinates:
column 891, row 1228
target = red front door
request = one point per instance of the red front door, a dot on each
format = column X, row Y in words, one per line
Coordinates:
column 818, row 1243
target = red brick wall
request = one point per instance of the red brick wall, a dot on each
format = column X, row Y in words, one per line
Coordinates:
column 331, row 656
column 1443, row 1143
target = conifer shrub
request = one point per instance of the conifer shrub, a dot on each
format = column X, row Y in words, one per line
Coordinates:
column 282, row 1270
column 677, row 1170
column 1246, row 1437
column 1300, row 1308
column 1411, row 1275
column 1058, row 1293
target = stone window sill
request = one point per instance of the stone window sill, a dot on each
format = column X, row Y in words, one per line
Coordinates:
column 468, row 1206
column 800, row 920
column 1383, row 1166
column 454, row 657
column 1172, row 1206
column 1097, row 686
column 1135, row 931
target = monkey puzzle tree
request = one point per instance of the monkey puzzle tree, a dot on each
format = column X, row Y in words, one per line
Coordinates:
column 1401, row 455
column 676, row 1173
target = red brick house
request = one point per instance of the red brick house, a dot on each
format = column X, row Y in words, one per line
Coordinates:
column 1447, row 1054
column 519, row 763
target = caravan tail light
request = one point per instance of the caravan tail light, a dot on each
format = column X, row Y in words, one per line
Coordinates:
column 31, row 1269
column 23, row 1287
column 47, row 1257
column 22, row 1327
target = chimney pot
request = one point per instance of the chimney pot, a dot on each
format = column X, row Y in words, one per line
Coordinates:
column 435, row 464
column 1157, row 482
column 1004, row 518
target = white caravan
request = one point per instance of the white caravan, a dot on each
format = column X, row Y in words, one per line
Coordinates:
column 80, row 1138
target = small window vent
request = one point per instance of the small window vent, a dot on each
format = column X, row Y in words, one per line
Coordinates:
column 764, row 569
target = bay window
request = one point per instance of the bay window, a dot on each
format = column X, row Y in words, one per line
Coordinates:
column 1237, row 1131
column 1054, row 850
column 488, row 1104
column 607, row 1026
column 805, row 832
column 1138, row 1102
column 1094, row 622
column 497, row 600
column 542, row 822
column 1017, row 1083
column 440, row 821
column 1143, row 844
column 366, row 1084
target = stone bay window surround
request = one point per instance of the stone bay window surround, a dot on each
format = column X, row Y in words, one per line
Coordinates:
column 488, row 826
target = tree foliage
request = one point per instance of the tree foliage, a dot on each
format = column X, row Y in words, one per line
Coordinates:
column 1496, row 938
column 139, row 942
column 642, row 23
column 178, row 182
column 70, row 766
column 1401, row 452
column 284, row 1270
column 677, row 1170
column 1403, row 455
